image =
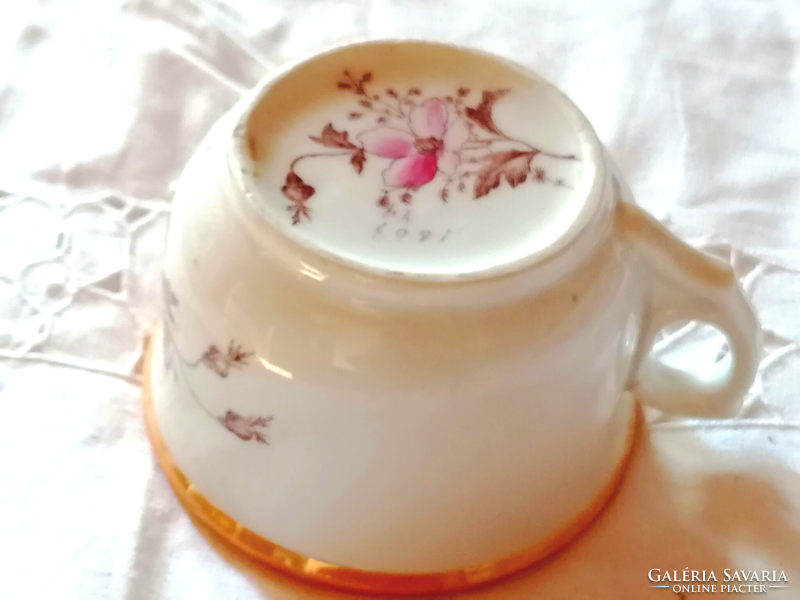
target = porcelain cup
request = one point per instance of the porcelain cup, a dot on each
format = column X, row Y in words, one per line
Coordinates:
column 409, row 308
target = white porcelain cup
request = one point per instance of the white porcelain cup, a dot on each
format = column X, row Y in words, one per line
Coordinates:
column 407, row 299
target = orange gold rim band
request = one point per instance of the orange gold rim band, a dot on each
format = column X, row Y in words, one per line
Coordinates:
column 349, row 579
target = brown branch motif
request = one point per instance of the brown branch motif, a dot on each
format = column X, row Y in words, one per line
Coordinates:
column 220, row 362
column 246, row 428
column 422, row 138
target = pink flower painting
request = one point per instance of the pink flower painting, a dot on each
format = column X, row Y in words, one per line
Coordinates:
column 432, row 144
column 439, row 141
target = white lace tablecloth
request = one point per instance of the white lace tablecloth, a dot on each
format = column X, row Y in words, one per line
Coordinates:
column 101, row 104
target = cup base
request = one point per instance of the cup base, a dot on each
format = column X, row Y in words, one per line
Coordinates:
column 267, row 553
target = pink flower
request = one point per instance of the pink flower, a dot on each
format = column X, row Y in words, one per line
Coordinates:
column 433, row 145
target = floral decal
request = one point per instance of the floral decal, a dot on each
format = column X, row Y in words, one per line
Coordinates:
column 246, row 428
column 221, row 363
column 419, row 138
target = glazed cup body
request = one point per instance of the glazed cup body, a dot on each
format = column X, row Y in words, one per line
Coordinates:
column 411, row 427
column 401, row 440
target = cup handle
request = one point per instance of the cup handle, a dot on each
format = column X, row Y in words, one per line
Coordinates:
column 686, row 284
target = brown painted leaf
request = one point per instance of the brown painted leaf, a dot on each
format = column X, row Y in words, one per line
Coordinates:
column 245, row 428
column 234, row 423
column 296, row 190
column 237, row 356
column 358, row 159
column 514, row 165
column 331, row 138
column 259, row 421
column 214, row 360
column 482, row 114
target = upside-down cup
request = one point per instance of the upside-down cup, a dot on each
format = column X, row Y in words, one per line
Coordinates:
column 408, row 304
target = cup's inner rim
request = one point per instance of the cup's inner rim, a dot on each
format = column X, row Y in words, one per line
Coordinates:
column 243, row 168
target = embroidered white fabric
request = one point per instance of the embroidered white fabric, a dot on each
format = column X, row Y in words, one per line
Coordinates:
column 101, row 104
